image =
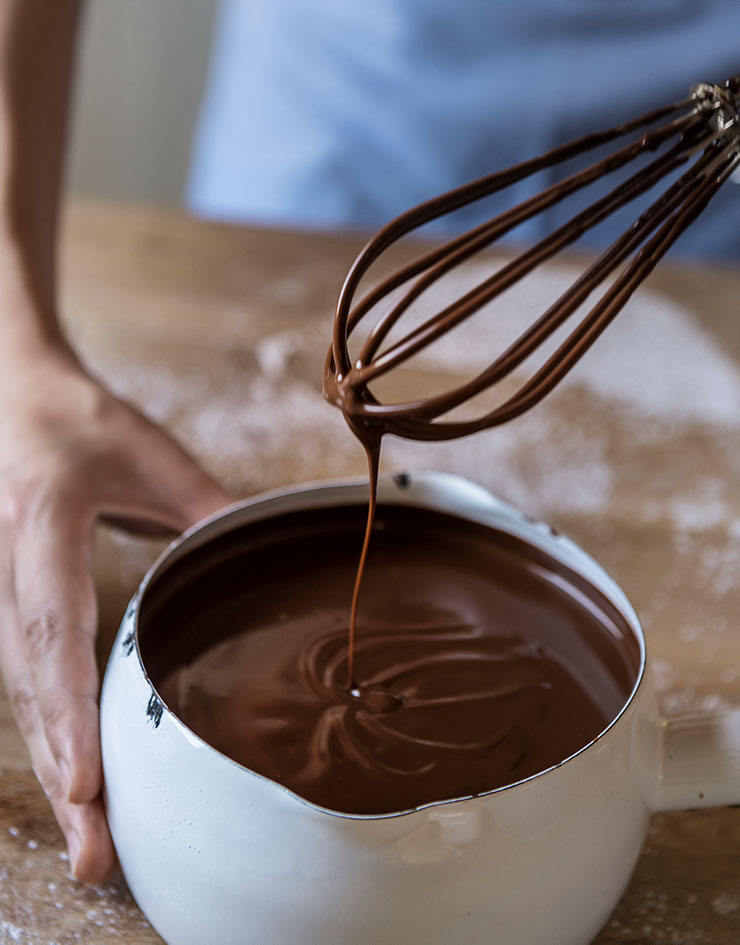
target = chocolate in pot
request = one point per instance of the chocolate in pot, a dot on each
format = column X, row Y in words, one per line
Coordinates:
column 480, row 660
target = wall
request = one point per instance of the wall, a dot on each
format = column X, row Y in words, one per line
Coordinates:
column 140, row 75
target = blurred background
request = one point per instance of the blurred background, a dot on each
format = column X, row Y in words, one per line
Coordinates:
column 139, row 84
column 143, row 65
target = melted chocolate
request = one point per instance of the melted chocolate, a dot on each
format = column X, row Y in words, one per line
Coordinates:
column 480, row 661
column 704, row 125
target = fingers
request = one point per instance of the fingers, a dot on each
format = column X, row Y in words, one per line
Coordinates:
column 24, row 704
column 47, row 599
column 92, row 856
column 160, row 482
column 91, row 852
column 55, row 628
column 47, row 658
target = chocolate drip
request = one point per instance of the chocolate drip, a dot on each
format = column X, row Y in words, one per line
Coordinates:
column 479, row 660
column 702, row 127
column 372, row 452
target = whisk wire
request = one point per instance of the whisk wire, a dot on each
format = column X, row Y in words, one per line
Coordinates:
column 462, row 197
column 369, row 366
column 708, row 128
column 545, row 326
column 571, row 350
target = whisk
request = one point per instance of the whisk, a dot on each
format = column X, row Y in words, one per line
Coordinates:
column 701, row 131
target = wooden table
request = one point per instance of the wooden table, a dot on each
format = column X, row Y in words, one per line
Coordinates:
column 219, row 332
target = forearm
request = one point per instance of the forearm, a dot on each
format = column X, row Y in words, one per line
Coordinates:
column 37, row 44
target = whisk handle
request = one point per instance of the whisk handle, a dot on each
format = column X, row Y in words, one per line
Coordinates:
column 732, row 87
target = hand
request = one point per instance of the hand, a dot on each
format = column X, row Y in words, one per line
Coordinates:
column 71, row 453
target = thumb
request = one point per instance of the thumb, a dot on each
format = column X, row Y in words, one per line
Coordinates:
column 160, row 483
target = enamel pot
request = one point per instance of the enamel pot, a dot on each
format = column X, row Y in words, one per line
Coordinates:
column 213, row 852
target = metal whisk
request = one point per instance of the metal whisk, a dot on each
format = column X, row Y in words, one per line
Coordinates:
column 701, row 130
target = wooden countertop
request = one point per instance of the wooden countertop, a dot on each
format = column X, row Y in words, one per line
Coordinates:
column 220, row 333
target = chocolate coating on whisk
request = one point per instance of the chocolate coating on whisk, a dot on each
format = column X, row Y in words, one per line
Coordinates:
column 701, row 129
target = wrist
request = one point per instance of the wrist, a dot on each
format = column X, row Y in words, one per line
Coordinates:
column 28, row 322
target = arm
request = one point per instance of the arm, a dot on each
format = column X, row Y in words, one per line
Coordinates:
column 70, row 453
column 37, row 42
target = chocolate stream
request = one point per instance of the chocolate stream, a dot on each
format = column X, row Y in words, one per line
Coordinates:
column 470, row 659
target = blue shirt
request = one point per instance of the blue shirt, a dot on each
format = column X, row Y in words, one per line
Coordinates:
column 343, row 113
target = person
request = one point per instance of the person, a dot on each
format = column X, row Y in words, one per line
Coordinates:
column 339, row 114
column 71, row 452
column 342, row 114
